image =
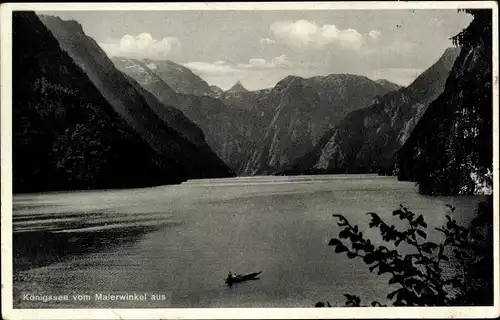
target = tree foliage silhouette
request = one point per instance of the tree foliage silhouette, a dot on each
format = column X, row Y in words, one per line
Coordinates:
column 419, row 274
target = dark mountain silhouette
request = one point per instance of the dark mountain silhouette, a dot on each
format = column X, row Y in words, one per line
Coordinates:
column 450, row 151
column 367, row 139
column 74, row 132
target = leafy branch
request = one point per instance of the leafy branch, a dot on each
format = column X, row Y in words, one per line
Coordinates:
column 419, row 274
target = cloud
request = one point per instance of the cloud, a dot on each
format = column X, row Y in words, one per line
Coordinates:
column 143, row 46
column 223, row 68
column 305, row 34
column 279, row 62
column 266, row 41
column 374, row 34
column 218, row 68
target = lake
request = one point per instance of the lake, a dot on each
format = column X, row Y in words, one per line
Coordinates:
column 178, row 242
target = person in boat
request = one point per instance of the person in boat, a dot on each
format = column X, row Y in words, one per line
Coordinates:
column 233, row 276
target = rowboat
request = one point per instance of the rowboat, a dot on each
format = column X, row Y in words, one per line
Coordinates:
column 242, row 277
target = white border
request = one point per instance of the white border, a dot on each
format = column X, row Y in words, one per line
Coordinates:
column 221, row 313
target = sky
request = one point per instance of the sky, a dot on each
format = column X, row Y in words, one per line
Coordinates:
column 259, row 48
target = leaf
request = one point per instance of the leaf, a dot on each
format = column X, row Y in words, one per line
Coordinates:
column 351, row 255
column 422, row 234
column 369, row 258
column 357, row 246
column 369, row 247
column 430, row 245
column 341, row 248
column 344, row 234
column 439, row 229
column 391, row 295
column 383, row 268
column 377, row 304
column 349, row 297
column 334, row 242
column 397, row 212
column 395, row 279
column 373, row 215
column 373, row 267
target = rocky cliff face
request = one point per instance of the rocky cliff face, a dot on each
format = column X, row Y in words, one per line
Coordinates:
column 76, row 127
column 367, row 139
column 450, row 150
column 301, row 111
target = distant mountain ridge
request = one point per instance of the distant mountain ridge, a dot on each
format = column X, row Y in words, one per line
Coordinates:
column 303, row 110
column 368, row 138
column 242, row 126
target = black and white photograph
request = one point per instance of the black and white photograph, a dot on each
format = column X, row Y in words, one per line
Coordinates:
column 249, row 160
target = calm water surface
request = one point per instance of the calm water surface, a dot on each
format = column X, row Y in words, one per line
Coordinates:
column 181, row 241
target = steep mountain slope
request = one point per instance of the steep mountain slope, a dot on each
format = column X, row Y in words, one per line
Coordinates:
column 302, row 110
column 367, row 139
column 66, row 135
column 178, row 77
column 154, row 121
column 228, row 131
column 146, row 78
column 450, row 150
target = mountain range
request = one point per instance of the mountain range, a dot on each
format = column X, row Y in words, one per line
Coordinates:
column 87, row 117
column 257, row 132
column 366, row 140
